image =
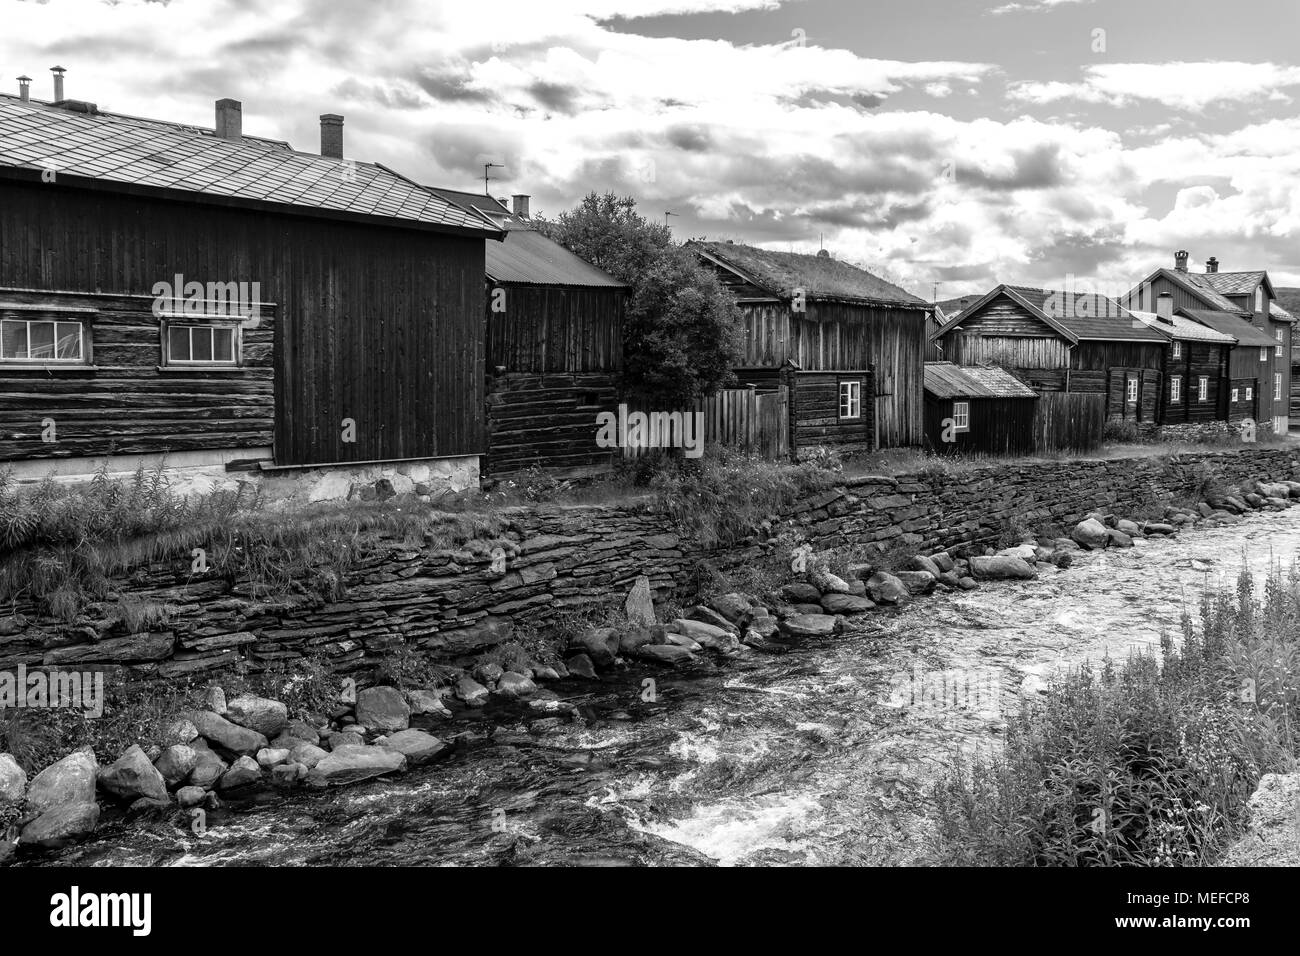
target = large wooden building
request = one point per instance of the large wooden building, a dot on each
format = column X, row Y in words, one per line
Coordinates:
column 167, row 289
column 849, row 345
column 554, row 346
column 1055, row 341
column 1218, row 299
column 1195, row 386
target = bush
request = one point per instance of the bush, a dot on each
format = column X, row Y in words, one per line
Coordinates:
column 1148, row 764
column 1120, row 433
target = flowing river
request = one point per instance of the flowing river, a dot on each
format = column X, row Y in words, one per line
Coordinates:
column 824, row 755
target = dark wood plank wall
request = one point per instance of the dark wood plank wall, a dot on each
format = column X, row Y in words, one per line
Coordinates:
column 814, row 413
column 1243, row 407
column 123, row 404
column 1198, row 358
column 380, row 325
column 555, row 329
column 547, row 420
column 998, row 426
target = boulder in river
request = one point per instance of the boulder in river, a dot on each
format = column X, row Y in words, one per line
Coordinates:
column 176, row 763
column 826, row 582
column 61, row 825
column 580, row 665
column 798, row 592
column 64, row 783
column 13, row 780
column 351, row 764
column 922, row 563
column 471, row 692
column 706, row 635
column 240, row 740
column 706, row 615
column 733, row 606
column 242, row 772
column 598, row 643
column 382, row 709
column 885, row 588
column 808, row 625
column 423, row 702
column 665, row 654
column 1002, row 568
column 309, row 754
column 416, row 746
column 208, row 768
column 268, row 717
column 515, row 685
column 1119, row 539
column 1090, row 533
column 846, row 604
column 917, row 582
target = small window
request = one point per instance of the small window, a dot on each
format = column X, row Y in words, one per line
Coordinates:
column 850, row 399
column 961, row 416
column 1263, row 354
column 1277, row 385
column 42, row 340
column 201, row 345
column 1132, row 391
column 1202, row 388
column 1175, row 389
column 1250, row 392
column 1277, row 349
column 1177, row 351
column 1235, row 393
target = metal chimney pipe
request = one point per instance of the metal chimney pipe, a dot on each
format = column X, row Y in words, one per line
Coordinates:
column 25, row 88
column 58, row 72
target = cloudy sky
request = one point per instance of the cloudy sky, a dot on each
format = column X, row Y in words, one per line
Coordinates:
column 958, row 142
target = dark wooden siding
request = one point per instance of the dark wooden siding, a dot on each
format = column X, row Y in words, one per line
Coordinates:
column 1243, row 407
column 814, row 413
column 123, row 403
column 998, row 426
column 555, row 329
column 380, row 325
column 548, row 421
column 1197, row 359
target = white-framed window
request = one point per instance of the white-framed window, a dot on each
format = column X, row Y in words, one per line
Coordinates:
column 850, row 399
column 1263, row 353
column 1277, row 385
column 1175, row 389
column 188, row 345
column 1132, row 393
column 961, row 416
column 1280, row 336
column 1235, row 393
column 52, row 341
column 1177, row 349
column 1259, row 298
column 1250, row 392
column 1202, row 388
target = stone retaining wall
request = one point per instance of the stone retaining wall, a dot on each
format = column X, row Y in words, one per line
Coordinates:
column 454, row 604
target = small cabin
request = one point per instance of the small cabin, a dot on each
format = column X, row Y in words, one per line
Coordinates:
column 974, row 409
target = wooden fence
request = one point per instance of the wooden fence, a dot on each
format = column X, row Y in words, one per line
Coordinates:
column 1068, row 421
column 753, row 422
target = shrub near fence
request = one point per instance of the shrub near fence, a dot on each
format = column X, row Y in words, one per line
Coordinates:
column 1068, row 421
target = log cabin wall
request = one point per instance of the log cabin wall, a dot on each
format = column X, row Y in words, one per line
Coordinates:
column 998, row 426
column 1198, row 359
column 814, row 412
column 380, row 325
column 124, row 401
column 555, row 354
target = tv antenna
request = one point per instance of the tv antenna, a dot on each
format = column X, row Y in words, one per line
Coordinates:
column 486, row 177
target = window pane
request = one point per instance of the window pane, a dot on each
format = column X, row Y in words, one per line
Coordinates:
column 224, row 345
column 178, row 343
column 13, row 339
column 41, row 339
column 201, row 342
column 69, row 344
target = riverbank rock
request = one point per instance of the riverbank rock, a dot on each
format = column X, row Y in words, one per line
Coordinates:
column 706, row 635
column 598, row 643
column 272, row 757
column 845, row 604
column 180, row 732
column 666, row 654
column 416, row 746
column 808, row 625
column 242, row 772
column 580, row 665
column 420, row 702
column 309, row 755
column 1119, row 539
column 636, row 637
column 267, row 717
column 350, row 764
column 215, row 700
column 470, row 692
column 515, row 685
column 187, row 797
column 885, row 588
column 922, row 563
column 1002, row 568
column 733, row 606
column 63, row 825
column 240, row 740
column 797, row 592
column 64, row 783
column 1090, row 533
column 826, row 582
column 176, row 763
column 1273, row 838
column 705, row 615
column 208, row 768
column 640, row 604
column 383, row 709
column 13, row 780
column 917, row 582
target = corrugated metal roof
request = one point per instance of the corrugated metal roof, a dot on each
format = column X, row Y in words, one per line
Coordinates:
column 1232, row 324
column 135, row 153
column 780, row 273
column 946, row 380
column 1184, row 329
column 1089, row 316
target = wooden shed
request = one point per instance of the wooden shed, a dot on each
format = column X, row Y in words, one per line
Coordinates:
column 358, row 323
column 977, row 409
column 849, row 345
column 1054, row 341
column 554, row 347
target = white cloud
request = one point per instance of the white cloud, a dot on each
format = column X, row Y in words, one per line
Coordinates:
column 1032, row 6
column 1184, row 86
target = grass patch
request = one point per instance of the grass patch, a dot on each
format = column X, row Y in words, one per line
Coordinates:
column 1147, row 764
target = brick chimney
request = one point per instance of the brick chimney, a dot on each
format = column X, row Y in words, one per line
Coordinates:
column 1212, row 265
column 1165, row 307
column 331, row 135
column 25, row 88
column 58, row 72
column 520, row 205
column 230, row 119
column 1180, row 260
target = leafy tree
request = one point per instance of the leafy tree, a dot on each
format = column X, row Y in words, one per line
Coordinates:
column 681, row 334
